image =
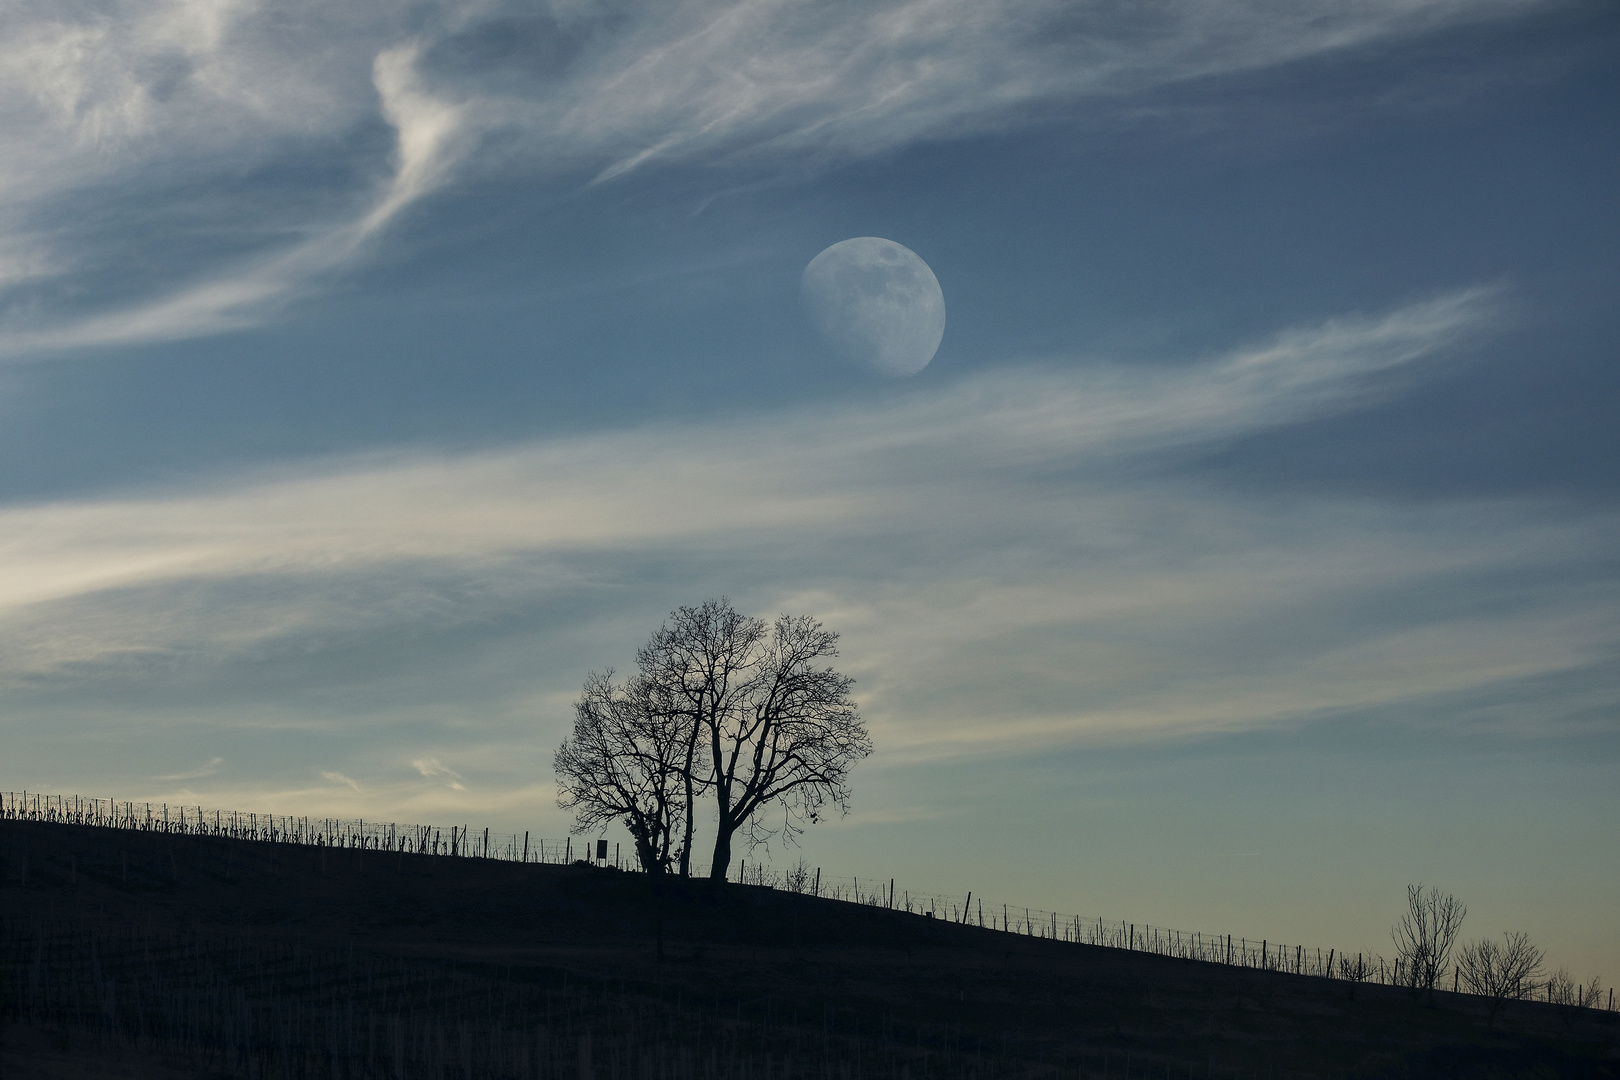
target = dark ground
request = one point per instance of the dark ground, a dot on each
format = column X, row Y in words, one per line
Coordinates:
column 132, row 954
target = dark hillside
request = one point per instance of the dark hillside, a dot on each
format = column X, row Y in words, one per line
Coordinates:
column 143, row 954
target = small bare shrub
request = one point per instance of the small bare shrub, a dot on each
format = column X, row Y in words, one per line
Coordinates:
column 1562, row 989
column 1356, row 971
column 1500, row 973
column 1424, row 937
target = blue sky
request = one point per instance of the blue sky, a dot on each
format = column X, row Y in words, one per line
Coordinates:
column 369, row 373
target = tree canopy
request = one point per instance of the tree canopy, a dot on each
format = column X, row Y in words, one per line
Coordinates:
column 724, row 705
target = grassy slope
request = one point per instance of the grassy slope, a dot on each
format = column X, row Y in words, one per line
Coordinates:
column 751, row 971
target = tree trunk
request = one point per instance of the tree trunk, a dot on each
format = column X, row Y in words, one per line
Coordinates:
column 691, row 807
column 722, row 852
column 647, row 855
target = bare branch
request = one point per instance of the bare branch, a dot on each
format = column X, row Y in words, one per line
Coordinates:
column 627, row 760
column 1500, row 973
column 724, row 703
column 1425, row 936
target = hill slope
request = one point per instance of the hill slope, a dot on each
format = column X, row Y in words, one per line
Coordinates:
column 143, row 954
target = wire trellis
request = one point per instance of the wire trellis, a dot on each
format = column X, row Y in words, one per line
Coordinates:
column 962, row 909
column 194, row 820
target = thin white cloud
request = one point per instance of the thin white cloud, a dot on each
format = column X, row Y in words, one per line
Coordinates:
column 433, row 769
column 801, row 470
column 375, row 803
column 1169, row 641
column 196, row 774
column 889, row 815
column 146, row 104
column 426, row 129
column 1009, row 568
column 338, row 778
column 777, row 77
column 128, row 89
column 24, row 259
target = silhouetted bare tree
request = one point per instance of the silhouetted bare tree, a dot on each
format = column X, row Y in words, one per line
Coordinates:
column 629, row 758
column 1501, row 973
column 1426, row 934
column 705, row 658
column 792, row 740
column 725, row 703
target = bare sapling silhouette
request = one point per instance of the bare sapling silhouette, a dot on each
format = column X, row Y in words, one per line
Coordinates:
column 1355, row 972
column 1425, row 936
column 1564, row 991
column 1500, row 972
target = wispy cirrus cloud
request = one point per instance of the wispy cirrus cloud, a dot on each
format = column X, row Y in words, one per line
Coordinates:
column 195, row 774
column 1012, row 558
column 435, row 770
column 773, row 78
column 338, row 778
column 802, row 469
column 426, row 129
column 144, row 106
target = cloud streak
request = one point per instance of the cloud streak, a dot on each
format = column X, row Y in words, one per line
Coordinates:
column 774, row 78
column 803, row 469
column 145, row 105
column 426, row 129
column 338, row 778
column 1012, row 558
column 196, row 774
column 433, row 769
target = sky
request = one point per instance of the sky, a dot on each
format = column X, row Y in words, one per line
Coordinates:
column 370, row 373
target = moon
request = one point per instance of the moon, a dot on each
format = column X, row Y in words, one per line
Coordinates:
column 877, row 303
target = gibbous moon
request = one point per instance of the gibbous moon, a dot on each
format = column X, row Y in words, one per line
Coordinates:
column 877, row 303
